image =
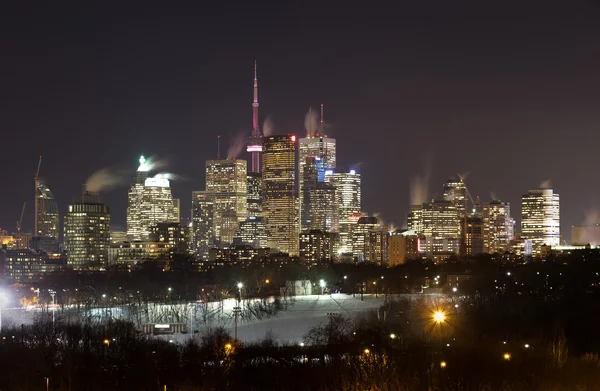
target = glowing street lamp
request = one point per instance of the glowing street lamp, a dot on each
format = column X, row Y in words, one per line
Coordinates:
column 393, row 336
column 240, row 285
column 443, row 364
column 367, row 351
column 439, row 316
column 506, row 356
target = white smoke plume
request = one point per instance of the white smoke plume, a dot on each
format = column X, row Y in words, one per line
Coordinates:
column 592, row 216
column 106, row 179
column 311, row 122
column 236, row 147
column 419, row 186
column 547, row 184
column 268, row 128
column 170, row 176
column 493, row 196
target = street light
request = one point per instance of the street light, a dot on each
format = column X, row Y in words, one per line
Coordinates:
column 240, row 285
column 439, row 316
column 322, row 285
column 454, row 289
column 443, row 364
column 393, row 336
column 506, row 356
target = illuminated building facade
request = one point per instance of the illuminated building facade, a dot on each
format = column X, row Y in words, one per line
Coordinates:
column 176, row 236
column 498, row 226
column 251, row 233
column 203, row 234
column 455, row 191
column 441, row 227
column 415, row 219
column 254, row 198
column 347, row 205
column 318, row 199
column 150, row 202
column 403, row 246
column 378, row 247
column 226, row 181
column 316, row 245
column 540, row 218
column 47, row 213
column 280, row 208
column 87, row 233
column 473, row 235
column 361, row 237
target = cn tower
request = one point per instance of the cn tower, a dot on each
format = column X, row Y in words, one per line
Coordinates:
column 255, row 142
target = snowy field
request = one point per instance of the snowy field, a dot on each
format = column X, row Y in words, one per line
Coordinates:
column 297, row 315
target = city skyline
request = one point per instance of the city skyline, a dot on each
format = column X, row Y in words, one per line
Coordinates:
column 381, row 118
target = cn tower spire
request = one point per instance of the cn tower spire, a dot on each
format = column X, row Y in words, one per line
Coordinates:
column 255, row 130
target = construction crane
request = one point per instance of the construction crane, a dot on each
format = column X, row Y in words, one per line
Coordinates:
column 21, row 219
column 473, row 202
column 36, row 182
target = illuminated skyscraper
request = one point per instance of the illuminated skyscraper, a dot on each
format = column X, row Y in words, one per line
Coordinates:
column 280, row 208
column 456, row 192
column 473, row 235
column 226, row 181
column 540, row 218
column 441, row 227
column 498, row 226
column 47, row 213
column 318, row 198
column 203, row 234
column 251, row 233
column 150, row 202
column 254, row 198
column 415, row 219
column 361, row 236
column 87, row 233
column 347, row 187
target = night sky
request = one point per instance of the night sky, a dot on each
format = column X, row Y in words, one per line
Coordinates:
column 506, row 92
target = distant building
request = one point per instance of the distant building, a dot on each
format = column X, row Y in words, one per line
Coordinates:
column 415, row 219
column 25, row 266
column 174, row 234
column 133, row 253
column 498, row 227
column 226, row 182
column 251, row 233
column 441, row 228
column 235, row 254
column 280, row 207
column 455, row 191
column 473, row 235
column 44, row 244
column 316, row 245
column 203, row 234
column 347, row 206
column 318, row 198
column 87, row 233
column 47, row 224
column 254, row 197
column 540, row 218
column 378, row 247
column 150, row 202
column 403, row 246
column 117, row 237
column 361, row 237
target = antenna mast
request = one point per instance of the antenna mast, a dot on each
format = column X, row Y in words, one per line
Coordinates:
column 322, row 123
column 218, row 147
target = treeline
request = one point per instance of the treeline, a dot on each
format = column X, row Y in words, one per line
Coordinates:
column 497, row 341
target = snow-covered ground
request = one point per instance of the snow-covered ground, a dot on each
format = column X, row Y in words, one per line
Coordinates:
column 297, row 316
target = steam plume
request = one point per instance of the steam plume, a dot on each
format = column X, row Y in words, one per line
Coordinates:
column 419, row 186
column 106, row 179
column 547, row 184
column 592, row 216
column 493, row 196
column 153, row 163
column 170, row 176
column 268, row 127
column 236, row 147
column 311, row 122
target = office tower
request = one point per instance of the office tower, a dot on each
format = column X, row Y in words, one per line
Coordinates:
column 279, row 193
column 473, row 235
column 316, row 245
column 46, row 213
column 315, row 145
column 226, row 181
column 415, row 219
column 498, row 226
column 203, row 234
column 150, row 202
column 318, row 198
column 254, row 199
column 347, row 188
column 403, row 246
column 87, row 233
column 441, row 227
column 255, row 142
column 540, row 218
column 455, row 191
column 251, row 233
column 117, row 237
column 361, row 237
column 177, row 237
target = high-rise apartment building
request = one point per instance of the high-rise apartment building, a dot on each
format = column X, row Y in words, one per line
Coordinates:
column 321, row 149
column 251, row 233
column 403, row 246
column 347, row 205
column 498, row 226
column 316, row 245
column 361, row 237
column 47, row 213
column 415, row 219
column 226, row 181
column 280, row 207
column 150, row 202
column 473, row 235
column 203, row 234
column 378, row 246
column 87, row 233
column 540, row 218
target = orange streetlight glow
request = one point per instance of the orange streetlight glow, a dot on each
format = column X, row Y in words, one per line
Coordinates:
column 439, row 316
column 506, row 356
column 443, row 364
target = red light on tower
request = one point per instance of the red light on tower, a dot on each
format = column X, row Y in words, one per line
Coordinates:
column 293, row 138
